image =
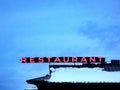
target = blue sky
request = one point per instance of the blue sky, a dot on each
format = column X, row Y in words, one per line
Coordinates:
column 54, row 28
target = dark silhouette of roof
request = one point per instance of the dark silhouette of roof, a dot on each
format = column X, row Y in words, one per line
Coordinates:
column 43, row 84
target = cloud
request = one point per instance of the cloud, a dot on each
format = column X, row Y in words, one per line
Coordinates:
column 108, row 34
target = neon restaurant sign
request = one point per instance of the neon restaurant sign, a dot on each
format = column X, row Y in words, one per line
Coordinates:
column 98, row 59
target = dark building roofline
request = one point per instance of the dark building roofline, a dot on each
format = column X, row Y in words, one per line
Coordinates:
column 43, row 84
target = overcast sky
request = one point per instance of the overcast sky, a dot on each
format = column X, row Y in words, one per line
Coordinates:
column 54, row 28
